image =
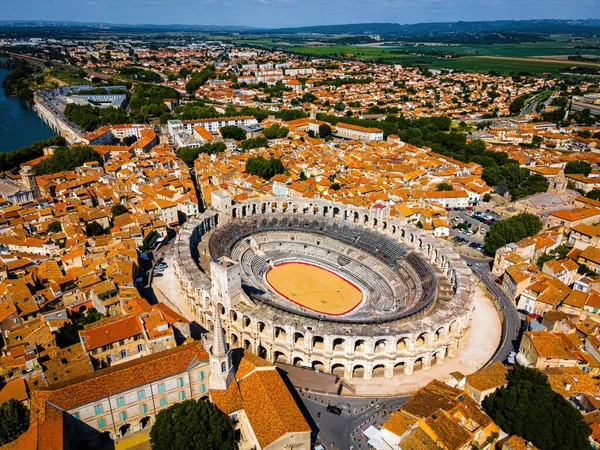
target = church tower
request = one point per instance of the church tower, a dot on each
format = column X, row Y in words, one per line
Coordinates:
column 29, row 181
column 221, row 370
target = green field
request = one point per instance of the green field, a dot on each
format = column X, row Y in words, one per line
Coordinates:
column 429, row 55
column 467, row 63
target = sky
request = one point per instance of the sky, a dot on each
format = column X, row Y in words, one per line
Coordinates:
column 289, row 13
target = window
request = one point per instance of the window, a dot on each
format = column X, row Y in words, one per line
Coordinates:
column 98, row 409
column 223, row 367
column 120, row 401
column 163, row 401
column 140, row 348
column 201, row 375
column 180, row 382
column 182, row 396
column 123, row 415
column 123, row 354
column 202, row 389
column 141, row 395
column 161, row 387
column 144, row 409
column 76, row 415
column 122, row 342
column 101, row 423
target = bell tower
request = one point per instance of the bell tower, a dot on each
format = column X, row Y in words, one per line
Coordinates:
column 221, row 369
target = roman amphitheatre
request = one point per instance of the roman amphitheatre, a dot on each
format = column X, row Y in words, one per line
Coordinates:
column 326, row 286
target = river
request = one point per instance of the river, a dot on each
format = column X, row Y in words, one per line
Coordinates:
column 19, row 125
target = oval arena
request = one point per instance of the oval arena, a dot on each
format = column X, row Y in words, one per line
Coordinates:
column 311, row 283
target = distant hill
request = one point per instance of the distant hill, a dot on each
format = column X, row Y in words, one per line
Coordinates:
column 546, row 26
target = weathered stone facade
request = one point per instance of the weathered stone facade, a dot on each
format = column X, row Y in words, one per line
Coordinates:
column 379, row 346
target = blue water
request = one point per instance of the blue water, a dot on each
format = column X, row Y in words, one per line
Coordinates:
column 19, row 125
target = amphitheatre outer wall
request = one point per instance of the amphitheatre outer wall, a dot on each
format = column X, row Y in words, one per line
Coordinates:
column 363, row 350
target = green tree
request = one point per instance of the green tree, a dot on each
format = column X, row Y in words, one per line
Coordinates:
column 582, row 167
column 65, row 159
column 487, row 197
column 324, row 130
column 14, row 420
column 275, row 131
column 191, row 425
column 264, row 168
column 55, row 227
column 302, row 176
column 232, row 132
column 94, row 229
column 512, row 229
column 444, row 187
column 335, row 186
column 118, row 209
column 529, row 408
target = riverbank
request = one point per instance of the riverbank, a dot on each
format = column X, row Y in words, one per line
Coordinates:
column 19, row 125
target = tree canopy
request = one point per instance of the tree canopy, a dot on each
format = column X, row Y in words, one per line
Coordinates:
column 444, row 187
column 275, row 131
column 118, row 209
column 200, row 78
column 582, row 167
column 191, row 425
column 529, row 408
column 14, row 420
column 89, row 117
column 232, row 132
column 189, row 154
column 15, row 158
column 64, row 159
column 264, row 168
column 512, row 229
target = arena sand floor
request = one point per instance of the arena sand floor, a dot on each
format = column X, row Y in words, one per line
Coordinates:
column 314, row 288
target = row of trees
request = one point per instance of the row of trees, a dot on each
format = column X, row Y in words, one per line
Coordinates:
column 275, row 131
column 15, row 158
column 264, row 168
column 64, row 159
column 257, row 142
column 512, row 229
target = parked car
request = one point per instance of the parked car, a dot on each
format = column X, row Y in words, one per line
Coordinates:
column 334, row 410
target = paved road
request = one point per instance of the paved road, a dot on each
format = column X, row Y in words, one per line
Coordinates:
column 345, row 431
column 512, row 323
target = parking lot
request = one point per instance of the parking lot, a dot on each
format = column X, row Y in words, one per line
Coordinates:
column 469, row 228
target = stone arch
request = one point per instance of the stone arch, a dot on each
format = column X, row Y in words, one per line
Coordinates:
column 125, row 430
column 279, row 357
column 336, row 212
column 246, row 322
column 234, row 340
column 365, row 220
column 318, row 365
column 144, row 423
column 378, row 371
column 358, row 371
column 419, row 364
column 262, row 352
column 399, row 368
column 356, row 217
column 453, row 327
column 402, row 344
column 317, row 342
column 261, row 327
column 360, row 345
column 298, row 339
column 233, row 316
column 210, row 326
column 338, row 345
column 247, row 345
column 298, row 362
column 421, row 339
column 439, row 334
column 220, row 309
column 338, row 369
column 381, row 346
column 280, row 334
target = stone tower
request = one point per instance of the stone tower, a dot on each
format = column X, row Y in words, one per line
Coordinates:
column 221, row 370
column 28, row 179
